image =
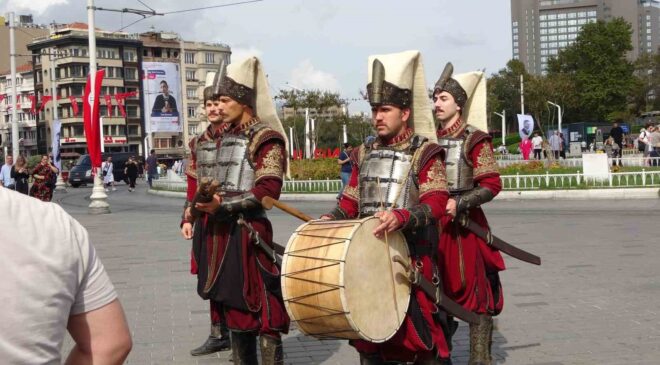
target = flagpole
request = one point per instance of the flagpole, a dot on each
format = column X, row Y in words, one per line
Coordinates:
column 99, row 203
column 60, row 186
column 14, row 99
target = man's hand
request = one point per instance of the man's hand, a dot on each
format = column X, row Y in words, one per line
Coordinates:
column 187, row 231
column 211, row 206
column 326, row 218
column 388, row 223
column 451, row 207
column 187, row 215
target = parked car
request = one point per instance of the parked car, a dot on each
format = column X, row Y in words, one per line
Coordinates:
column 81, row 173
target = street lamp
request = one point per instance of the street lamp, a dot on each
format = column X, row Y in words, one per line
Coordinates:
column 503, row 116
column 308, row 136
column 559, row 115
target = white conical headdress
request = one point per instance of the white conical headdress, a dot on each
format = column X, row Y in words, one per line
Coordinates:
column 474, row 111
column 402, row 83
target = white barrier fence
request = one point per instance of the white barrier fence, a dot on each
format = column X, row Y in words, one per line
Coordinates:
column 634, row 161
column 509, row 182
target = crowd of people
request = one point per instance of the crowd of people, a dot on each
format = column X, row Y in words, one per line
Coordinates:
column 17, row 177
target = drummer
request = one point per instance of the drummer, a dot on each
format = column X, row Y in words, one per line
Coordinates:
column 400, row 178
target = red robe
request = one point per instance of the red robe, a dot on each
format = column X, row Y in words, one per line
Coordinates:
column 470, row 267
column 263, row 310
column 406, row 344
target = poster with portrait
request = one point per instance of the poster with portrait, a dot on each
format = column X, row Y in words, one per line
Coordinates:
column 525, row 126
column 162, row 96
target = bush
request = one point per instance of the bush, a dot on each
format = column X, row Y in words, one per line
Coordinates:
column 317, row 169
column 33, row 161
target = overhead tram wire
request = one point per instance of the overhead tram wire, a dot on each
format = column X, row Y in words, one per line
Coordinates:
column 212, row 6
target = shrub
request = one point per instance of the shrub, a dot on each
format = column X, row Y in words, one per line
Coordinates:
column 317, row 169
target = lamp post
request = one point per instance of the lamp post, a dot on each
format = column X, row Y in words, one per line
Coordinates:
column 308, row 148
column 503, row 116
column 559, row 115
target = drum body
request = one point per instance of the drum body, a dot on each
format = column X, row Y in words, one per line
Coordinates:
column 339, row 280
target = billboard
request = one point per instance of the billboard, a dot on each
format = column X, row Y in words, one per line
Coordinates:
column 525, row 126
column 161, row 83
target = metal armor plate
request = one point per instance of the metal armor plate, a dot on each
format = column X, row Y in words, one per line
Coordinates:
column 382, row 175
column 459, row 173
column 235, row 170
column 206, row 155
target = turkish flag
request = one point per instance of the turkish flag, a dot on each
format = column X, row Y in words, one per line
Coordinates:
column 33, row 101
column 2, row 97
column 74, row 105
column 108, row 104
column 91, row 118
column 44, row 99
column 120, row 103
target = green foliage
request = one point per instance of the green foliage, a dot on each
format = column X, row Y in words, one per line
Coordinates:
column 597, row 66
column 317, row 169
column 33, row 161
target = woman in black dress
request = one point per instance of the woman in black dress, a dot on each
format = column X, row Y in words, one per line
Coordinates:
column 20, row 173
column 131, row 171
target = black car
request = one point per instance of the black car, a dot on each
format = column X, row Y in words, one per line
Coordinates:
column 81, row 173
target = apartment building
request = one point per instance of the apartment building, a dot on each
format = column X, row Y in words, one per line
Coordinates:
column 27, row 123
column 541, row 28
column 61, row 59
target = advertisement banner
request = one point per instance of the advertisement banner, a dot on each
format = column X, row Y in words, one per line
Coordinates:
column 525, row 126
column 55, row 147
column 162, row 92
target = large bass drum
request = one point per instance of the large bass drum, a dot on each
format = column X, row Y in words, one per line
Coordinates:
column 339, row 280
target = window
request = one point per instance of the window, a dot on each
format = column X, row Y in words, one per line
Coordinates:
column 544, row 52
column 562, row 37
column 561, row 23
column 571, row 15
column 515, row 24
column 543, row 31
column 191, row 93
column 190, row 58
column 543, row 17
column 162, row 142
column 544, row 59
column 552, row 24
column 190, row 75
column 543, row 24
column 130, row 73
column 132, row 111
column 552, row 31
column 192, row 129
column 553, row 51
column 544, row 38
column 582, row 21
column 563, row 44
column 133, row 130
column 552, row 16
column 552, row 38
column 515, row 30
column 648, row 31
column 572, row 29
column 129, row 56
column 515, row 37
column 209, row 57
column 544, row 45
column 592, row 13
column 552, row 44
column 561, row 16
column 191, row 111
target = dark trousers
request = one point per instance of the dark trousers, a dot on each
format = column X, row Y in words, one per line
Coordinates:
column 537, row 154
column 131, row 181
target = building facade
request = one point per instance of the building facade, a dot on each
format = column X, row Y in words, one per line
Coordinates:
column 193, row 61
column 325, row 114
column 65, row 52
column 27, row 132
column 25, row 31
column 540, row 28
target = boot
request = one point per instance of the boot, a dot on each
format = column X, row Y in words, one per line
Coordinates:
column 244, row 348
column 481, row 338
column 372, row 359
column 218, row 341
column 433, row 361
column 271, row 350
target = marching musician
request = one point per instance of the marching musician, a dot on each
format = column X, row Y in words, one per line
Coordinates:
column 234, row 267
column 400, row 178
column 470, row 266
column 204, row 147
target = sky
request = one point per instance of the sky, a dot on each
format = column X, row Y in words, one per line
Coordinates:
column 317, row 44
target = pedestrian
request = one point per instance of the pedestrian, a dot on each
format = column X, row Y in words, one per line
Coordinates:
column 378, row 167
column 583, row 146
column 555, row 144
column 345, row 169
column 54, row 282
column 525, row 148
column 617, row 135
column 151, row 167
column 611, row 149
column 562, row 150
column 6, row 180
column 21, row 174
column 654, row 142
column 44, row 175
column 252, row 163
column 107, row 170
column 131, row 171
column 203, row 151
column 470, row 266
column 537, row 145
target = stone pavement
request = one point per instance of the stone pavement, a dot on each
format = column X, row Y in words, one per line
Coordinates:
column 595, row 300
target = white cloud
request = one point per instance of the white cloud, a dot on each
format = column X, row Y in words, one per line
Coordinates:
column 36, row 6
column 239, row 53
column 305, row 76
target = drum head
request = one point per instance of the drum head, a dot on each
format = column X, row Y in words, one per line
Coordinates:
column 376, row 292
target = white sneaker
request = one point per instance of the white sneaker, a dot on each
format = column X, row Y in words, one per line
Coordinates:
column 106, row 190
column 114, row 188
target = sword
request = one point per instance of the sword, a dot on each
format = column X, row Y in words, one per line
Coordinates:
column 496, row 242
column 434, row 291
column 271, row 252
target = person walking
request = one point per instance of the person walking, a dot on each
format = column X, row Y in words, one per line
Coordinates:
column 21, row 174
column 537, row 144
column 617, row 135
column 44, row 175
column 108, row 177
column 131, row 171
column 525, row 148
column 6, row 179
column 152, row 168
column 555, row 144
column 345, row 170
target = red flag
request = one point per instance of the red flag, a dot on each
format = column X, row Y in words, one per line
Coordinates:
column 2, row 97
column 44, row 99
column 91, row 119
column 74, row 105
column 33, row 99
column 120, row 103
column 108, row 104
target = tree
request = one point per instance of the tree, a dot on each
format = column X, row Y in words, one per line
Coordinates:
column 504, row 91
column 647, row 86
column 596, row 63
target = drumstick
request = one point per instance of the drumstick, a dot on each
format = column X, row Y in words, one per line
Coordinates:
column 268, row 203
column 389, row 253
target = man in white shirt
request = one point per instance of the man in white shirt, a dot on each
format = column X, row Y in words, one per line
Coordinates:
column 555, row 144
column 537, row 142
column 52, row 281
column 5, row 173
